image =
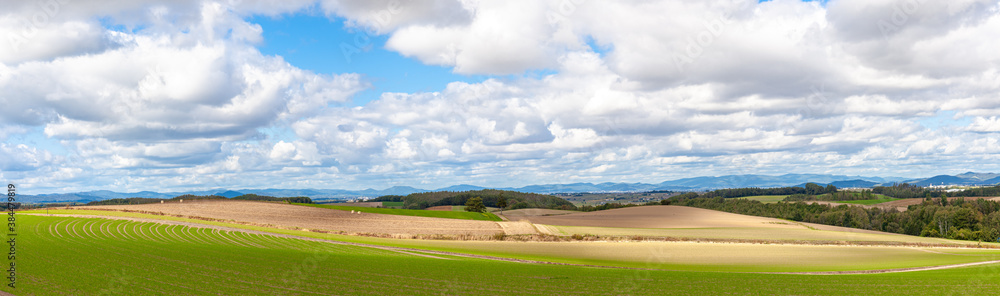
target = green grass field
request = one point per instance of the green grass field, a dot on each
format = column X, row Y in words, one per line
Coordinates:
column 766, row 198
column 88, row 256
column 880, row 199
column 419, row 213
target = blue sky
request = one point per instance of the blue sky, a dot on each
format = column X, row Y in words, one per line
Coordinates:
column 205, row 94
column 317, row 43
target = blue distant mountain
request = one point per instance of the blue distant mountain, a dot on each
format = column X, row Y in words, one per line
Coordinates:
column 946, row 180
column 765, row 181
column 686, row 184
column 229, row 194
column 845, row 184
column 854, row 184
column 460, row 188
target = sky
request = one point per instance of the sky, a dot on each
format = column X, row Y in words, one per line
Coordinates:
column 131, row 95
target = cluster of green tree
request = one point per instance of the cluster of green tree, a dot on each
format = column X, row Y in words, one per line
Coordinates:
column 959, row 219
column 491, row 198
column 809, row 189
column 607, row 206
column 835, row 196
column 978, row 192
column 906, row 190
column 142, row 200
column 296, row 199
column 196, row 197
column 389, row 198
column 475, row 204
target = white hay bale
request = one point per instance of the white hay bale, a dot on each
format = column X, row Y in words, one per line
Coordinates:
column 182, row 200
column 352, row 211
column 161, row 201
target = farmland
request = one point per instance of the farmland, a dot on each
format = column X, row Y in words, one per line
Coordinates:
column 101, row 256
column 694, row 223
column 188, row 255
column 766, row 198
column 879, row 200
column 660, row 217
column 453, row 214
column 324, row 217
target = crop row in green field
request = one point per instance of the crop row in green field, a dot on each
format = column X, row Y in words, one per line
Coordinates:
column 84, row 256
column 673, row 256
column 418, row 213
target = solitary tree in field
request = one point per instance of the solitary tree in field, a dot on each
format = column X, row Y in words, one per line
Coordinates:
column 502, row 203
column 475, row 204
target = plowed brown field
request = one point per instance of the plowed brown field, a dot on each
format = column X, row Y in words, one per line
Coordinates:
column 523, row 214
column 286, row 215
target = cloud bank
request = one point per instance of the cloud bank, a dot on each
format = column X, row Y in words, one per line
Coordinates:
column 148, row 95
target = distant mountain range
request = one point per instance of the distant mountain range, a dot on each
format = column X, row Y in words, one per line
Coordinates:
column 687, row 184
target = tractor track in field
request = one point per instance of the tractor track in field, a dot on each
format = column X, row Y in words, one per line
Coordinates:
column 894, row 270
column 430, row 253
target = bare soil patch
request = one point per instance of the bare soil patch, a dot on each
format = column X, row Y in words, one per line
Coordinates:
column 662, row 217
column 439, row 208
column 516, row 228
column 301, row 217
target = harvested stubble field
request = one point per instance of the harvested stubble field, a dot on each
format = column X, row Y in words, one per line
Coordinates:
column 285, row 215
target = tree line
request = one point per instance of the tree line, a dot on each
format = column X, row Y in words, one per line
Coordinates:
column 490, row 198
column 834, row 196
column 143, row 200
column 977, row 219
column 808, row 188
column 906, row 190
